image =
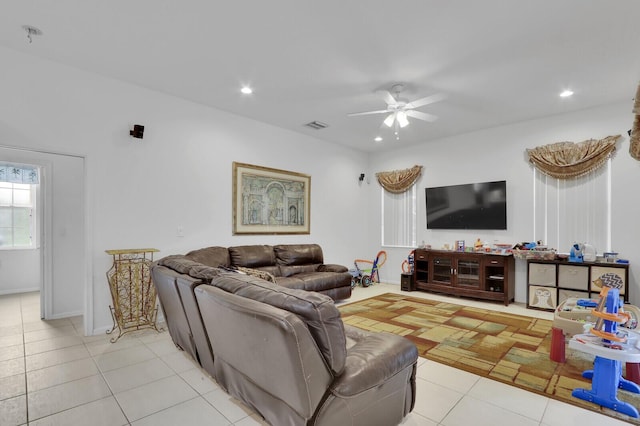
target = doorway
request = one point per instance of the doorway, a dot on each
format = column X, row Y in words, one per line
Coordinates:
column 61, row 255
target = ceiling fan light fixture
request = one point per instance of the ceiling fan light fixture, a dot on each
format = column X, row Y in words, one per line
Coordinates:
column 390, row 119
column 403, row 121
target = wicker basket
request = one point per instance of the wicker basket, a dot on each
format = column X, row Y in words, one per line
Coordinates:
column 534, row 254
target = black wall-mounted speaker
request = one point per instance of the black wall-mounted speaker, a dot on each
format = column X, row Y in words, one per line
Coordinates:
column 137, row 131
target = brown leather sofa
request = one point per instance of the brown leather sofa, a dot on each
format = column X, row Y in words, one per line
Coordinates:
column 286, row 352
column 299, row 266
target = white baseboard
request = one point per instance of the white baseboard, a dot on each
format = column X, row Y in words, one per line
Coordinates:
column 19, row 290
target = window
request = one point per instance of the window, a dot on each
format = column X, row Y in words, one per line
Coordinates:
column 399, row 218
column 568, row 211
column 17, row 215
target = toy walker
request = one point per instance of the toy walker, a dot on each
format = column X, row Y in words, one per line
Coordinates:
column 366, row 276
column 611, row 347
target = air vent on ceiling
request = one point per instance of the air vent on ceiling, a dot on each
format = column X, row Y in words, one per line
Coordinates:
column 317, row 125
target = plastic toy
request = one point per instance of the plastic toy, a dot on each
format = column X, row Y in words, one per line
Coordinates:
column 576, row 253
column 364, row 277
column 611, row 347
column 408, row 263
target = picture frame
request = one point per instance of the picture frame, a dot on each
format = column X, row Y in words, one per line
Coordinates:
column 269, row 201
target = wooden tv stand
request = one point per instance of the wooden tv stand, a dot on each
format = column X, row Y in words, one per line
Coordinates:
column 485, row 276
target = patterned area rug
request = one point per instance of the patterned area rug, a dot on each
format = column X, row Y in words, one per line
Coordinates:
column 510, row 348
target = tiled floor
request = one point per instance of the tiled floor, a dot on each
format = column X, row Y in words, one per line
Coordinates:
column 51, row 375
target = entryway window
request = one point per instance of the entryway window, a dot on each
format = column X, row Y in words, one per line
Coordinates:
column 17, row 206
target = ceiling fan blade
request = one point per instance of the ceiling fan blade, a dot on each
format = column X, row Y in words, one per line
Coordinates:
column 425, row 101
column 421, row 115
column 380, row 111
column 388, row 98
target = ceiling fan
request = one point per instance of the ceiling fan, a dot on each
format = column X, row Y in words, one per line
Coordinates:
column 398, row 109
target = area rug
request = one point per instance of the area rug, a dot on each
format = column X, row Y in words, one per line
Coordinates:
column 512, row 349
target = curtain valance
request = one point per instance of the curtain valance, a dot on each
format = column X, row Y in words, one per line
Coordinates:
column 18, row 173
column 565, row 160
column 398, row 181
column 634, row 142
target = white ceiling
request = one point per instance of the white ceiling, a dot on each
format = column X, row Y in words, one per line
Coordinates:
column 498, row 61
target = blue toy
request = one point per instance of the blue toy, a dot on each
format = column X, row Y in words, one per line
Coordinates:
column 576, row 253
column 611, row 347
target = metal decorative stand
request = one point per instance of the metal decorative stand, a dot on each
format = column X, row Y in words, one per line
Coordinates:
column 132, row 291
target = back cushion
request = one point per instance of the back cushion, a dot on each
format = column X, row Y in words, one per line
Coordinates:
column 317, row 311
column 252, row 256
column 178, row 263
column 287, row 271
column 298, row 254
column 210, row 256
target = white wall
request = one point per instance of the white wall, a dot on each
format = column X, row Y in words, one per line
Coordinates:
column 140, row 191
column 500, row 153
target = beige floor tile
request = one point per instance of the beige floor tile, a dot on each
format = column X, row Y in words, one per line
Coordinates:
column 51, row 344
column 449, row 377
column 55, row 357
column 179, row 361
column 12, row 386
column 193, row 412
column 103, row 412
column 153, row 397
column 41, row 324
column 434, row 401
column 253, row 420
column 414, row 419
column 11, row 367
column 510, row 398
column 562, row 414
column 230, row 407
column 61, row 373
column 199, row 380
column 129, row 356
column 65, row 396
column 133, row 376
column 12, row 340
column 10, row 330
column 100, row 345
column 13, row 411
column 49, row 333
column 480, row 413
column 162, row 347
column 11, row 352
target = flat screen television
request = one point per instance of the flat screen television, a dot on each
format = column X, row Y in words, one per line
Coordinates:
column 469, row 206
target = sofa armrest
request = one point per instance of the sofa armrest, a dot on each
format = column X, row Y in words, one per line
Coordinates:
column 372, row 360
column 332, row 268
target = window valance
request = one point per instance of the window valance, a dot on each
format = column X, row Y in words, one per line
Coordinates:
column 18, row 173
column 398, row 181
column 634, row 142
column 565, row 160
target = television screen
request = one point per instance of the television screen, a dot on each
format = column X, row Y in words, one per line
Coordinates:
column 469, row 206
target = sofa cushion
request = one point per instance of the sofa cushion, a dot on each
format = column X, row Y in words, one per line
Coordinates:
column 288, row 270
column 252, row 256
column 317, row 311
column 204, row 272
column 298, row 254
column 178, row 262
column 210, row 256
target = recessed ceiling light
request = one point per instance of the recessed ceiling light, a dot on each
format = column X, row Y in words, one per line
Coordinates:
column 566, row 93
column 246, row 90
column 378, row 139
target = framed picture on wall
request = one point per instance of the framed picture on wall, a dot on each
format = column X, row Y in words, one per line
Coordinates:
column 270, row 201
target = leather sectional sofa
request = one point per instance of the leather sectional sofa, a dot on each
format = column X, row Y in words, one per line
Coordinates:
column 299, row 266
column 285, row 352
